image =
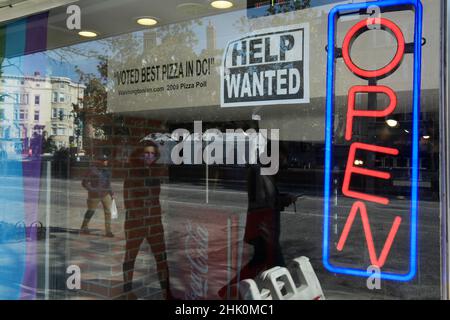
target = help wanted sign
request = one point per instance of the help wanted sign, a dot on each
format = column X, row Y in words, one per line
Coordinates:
column 267, row 67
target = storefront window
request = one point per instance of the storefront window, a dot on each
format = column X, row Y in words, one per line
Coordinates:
column 181, row 153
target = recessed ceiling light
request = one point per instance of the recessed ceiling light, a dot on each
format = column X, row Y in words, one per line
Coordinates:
column 426, row 137
column 392, row 123
column 221, row 4
column 88, row 34
column 147, row 21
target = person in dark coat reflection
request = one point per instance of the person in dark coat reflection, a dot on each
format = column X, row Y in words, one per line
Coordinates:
column 143, row 216
column 263, row 225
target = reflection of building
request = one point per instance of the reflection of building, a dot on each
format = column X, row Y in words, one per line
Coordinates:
column 211, row 37
column 31, row 104
column 149, row 40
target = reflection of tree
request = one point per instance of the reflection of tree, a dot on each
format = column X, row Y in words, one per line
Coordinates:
column 49, row 145
column 87, row 51
column 278, row 15
column 6, row 63
column 178, row 42
column 175, row 43
column 288, row 7
column 166, row 44
column 94, row 102
column 316, row 18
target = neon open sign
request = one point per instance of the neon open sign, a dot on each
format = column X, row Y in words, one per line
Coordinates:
column 361, row 204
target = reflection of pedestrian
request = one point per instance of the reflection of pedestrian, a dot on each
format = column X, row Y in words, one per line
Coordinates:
column 263, row 226
column 98, row 184
column 62, row 157
column 3, row 162
column 36, row 145
column 143, row 217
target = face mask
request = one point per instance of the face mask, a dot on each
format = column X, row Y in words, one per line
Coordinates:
column 149, row 158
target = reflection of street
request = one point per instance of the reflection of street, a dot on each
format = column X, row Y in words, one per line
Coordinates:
column 10, row 259
column 101, row 258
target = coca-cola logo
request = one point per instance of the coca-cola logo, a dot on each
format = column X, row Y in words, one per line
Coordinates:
column 196, row 250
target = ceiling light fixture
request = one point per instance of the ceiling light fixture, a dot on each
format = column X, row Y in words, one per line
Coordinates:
column 147, row 21
column 222, row 4
column 392, row 123
column 88, row 34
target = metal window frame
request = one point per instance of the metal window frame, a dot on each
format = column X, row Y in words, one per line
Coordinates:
column 444, row 148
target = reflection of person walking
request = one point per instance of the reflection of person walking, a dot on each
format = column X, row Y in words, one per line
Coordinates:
column 98, row 184
column 143, row 217
column 263, row 225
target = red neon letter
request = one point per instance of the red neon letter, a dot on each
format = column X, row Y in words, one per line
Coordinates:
column 351, row 169
column 352, row 112
column 361, row 207
column 361, row 27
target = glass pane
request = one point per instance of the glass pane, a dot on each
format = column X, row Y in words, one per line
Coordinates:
column 184, row 157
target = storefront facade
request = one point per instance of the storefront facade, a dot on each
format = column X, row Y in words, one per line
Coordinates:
column 232, row 137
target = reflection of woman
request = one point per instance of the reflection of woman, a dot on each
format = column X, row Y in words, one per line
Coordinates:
column 143, row 217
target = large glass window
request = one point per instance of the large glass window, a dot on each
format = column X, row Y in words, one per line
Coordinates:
column 206, row 146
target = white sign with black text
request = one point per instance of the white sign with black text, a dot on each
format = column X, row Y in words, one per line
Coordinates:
column 267, row 67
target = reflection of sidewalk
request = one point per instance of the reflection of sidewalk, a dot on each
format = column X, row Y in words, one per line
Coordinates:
column 100, row 260
column 12, row 263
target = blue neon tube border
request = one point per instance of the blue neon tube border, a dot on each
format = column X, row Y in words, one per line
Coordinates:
column 332, row 19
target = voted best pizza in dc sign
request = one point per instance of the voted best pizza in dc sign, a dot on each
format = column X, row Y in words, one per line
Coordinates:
column 267, row 67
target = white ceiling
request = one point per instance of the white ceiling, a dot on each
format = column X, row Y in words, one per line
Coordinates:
column 114, row 17
column 107, row 17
